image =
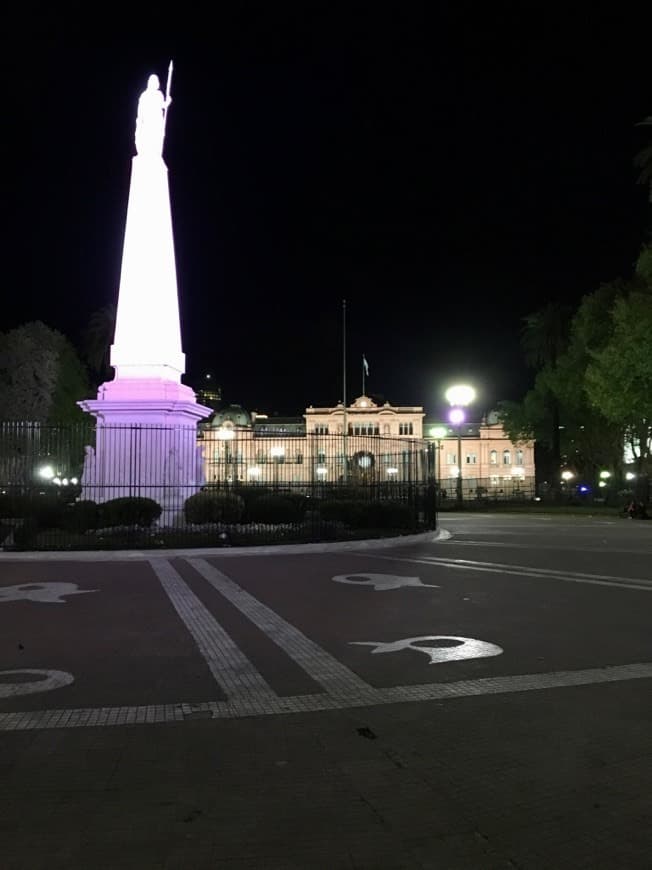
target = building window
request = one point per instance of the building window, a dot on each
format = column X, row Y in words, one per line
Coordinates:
column 519, row 457
column 507, row 457
column 321, row 430
column 471, row 458
column 386, row 429
column 406, row 429
column 451, row 459
column 321, row 457
column 493, row 457
column 299, row 458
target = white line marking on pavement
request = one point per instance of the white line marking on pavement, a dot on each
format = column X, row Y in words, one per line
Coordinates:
column 326, row 670
column 233, row 671
column 44, row 593
column 382, row 582
column 526, row 571
column 445, row 647
column 161, row 713
column 50, row 680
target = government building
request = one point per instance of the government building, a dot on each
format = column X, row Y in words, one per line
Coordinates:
column 383, row 444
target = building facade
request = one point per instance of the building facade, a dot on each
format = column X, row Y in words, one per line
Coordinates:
column 362, row 442
column 489, row 460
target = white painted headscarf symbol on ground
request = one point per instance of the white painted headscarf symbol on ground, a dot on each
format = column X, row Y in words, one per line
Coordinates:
column 49, row 680
column 382, row 582
column 440, row 648
column 45, row 593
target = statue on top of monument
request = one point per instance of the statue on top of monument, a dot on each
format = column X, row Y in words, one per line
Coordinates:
column 150, row 120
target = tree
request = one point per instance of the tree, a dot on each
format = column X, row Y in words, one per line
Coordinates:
column 544, row 339
column 556, row 412
column 643, row 160
column 619, row 376
column 96, row 342
column 41, row 376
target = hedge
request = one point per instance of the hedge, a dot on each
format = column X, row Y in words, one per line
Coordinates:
column 213, row 507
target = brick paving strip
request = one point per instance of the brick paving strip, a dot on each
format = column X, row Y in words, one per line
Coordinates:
column 135, row 715
column 249, row 694
column 324, row 669
column 232, row 670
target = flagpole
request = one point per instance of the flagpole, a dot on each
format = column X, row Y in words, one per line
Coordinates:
column 345, row 466
column 363, row 392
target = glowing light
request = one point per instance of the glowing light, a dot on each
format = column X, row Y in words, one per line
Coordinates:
column 456, row 416
column 321, row 471
column 460, row 394
column 602, row 483
column 46, row 472
column 455, row 471
column 605, row 475
column 438, row 432
column 392, row 471
column 253, row 471
column 630, row 475
column 225, row 433
column 567, row 475
column 74, row 481
column 277, row 452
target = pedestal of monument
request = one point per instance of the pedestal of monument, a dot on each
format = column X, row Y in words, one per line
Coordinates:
column 146, row 444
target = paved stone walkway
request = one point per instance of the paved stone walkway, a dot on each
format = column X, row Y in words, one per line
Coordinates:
column 205, row 711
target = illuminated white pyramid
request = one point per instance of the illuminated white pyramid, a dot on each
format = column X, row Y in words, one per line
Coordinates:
column 146, row 437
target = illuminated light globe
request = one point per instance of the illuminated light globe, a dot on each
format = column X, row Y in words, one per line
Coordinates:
column 460, row 394
column 456, row 416
column 46, row 472
column 438, row 432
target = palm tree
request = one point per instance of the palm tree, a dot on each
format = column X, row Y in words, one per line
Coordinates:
column 544, row 338
column 545, row 334
column 97, row 339
column 643, row 159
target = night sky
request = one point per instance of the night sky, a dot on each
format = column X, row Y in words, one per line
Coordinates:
column 446, row 173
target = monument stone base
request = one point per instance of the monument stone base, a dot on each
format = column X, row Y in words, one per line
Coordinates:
column 145, row 444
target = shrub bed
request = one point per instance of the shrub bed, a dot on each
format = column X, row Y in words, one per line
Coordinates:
column 277, row 508
column 213, row 507
column 128, row 511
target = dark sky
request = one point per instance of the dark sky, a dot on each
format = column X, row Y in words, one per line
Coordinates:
column 447, row 172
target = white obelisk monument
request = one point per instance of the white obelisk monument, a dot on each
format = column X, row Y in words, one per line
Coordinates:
column 146, row 434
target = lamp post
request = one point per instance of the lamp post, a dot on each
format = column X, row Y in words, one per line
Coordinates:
column 438, row 432
column 459, row 396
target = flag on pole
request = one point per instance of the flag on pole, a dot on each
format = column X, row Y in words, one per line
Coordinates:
column 365, row 365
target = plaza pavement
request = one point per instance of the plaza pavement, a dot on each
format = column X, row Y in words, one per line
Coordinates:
column 478, row 699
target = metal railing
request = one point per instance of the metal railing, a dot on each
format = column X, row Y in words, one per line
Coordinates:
column 90, row 486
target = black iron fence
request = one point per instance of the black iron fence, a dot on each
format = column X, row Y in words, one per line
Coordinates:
column 90, row 486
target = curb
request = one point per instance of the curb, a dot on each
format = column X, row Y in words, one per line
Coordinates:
column 229, row 552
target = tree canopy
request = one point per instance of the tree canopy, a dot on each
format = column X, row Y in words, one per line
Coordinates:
column 592, row 391
column 41, row 376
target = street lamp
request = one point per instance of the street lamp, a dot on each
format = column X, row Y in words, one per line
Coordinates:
column 459, row 396
column 438, row 432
